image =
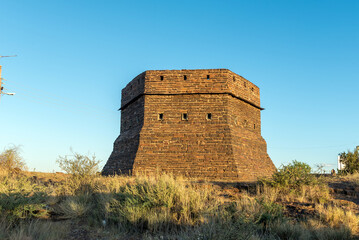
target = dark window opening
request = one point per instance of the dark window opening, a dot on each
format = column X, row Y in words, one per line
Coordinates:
column 209, row 116
column 161, row 78
column 184, row 116
column 185, row 77
column 252, row 89
column 207, row 77
column 234, row 79
column 254, row 126
column 160, row 116
column 244, row 84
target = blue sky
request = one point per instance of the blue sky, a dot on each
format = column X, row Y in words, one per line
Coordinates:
column 74, row 57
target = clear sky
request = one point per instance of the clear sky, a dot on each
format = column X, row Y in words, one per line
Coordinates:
column 74, row 57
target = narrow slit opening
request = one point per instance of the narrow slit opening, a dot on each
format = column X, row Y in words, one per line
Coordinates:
column 160, row 116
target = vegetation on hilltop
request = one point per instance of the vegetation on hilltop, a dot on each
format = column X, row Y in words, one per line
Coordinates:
column 350, row 160
column 293, row 204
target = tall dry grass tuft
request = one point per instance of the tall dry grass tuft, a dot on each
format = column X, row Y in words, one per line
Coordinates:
column 353, row 178
column 259, row 210
column 338, row 218
column 307, row 231
column 306, row 193
column 270, row 193
column 114, row 184
column 160, row 203
column 75, row 207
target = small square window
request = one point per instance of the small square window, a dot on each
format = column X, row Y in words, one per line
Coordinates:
column 185, row 116
column 209, row 116
column 160, row 116
column 207, row 77
column 161, row 78
column 185, row 77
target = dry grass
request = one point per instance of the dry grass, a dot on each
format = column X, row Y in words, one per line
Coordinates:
column 162, row 207
column 39, row 230
column 337, row 217
column 303, row 194
column 354, row 178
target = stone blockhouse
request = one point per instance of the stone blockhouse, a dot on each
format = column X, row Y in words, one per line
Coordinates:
column 197, row 123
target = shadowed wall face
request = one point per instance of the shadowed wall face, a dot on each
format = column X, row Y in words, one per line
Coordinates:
column 126, row 145
column 197, row 123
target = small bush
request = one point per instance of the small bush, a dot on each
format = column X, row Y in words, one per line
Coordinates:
column 292, row 176
column 11, row 160
column 81, row 167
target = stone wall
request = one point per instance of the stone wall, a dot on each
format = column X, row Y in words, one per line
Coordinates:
column 197, row 123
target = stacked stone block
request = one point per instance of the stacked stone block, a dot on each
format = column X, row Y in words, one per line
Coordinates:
column 198, row 123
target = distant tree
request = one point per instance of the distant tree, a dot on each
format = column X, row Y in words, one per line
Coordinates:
column 350, row 160
column 11, row 160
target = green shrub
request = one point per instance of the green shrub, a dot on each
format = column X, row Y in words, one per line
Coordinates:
column 350, row 161
column 82, row 169
column 292, row 176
